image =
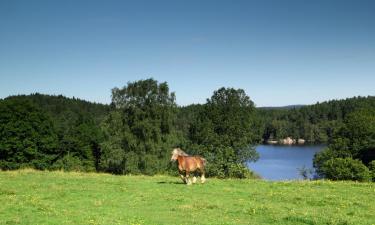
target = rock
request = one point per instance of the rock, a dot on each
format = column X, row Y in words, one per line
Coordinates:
column 301, row 141
column 271, row 142
column 287, row 141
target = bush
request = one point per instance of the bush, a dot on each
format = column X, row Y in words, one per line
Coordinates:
column 68, row 163
column 230, row 170
column 4, row 165
column 240, row 171
column 345, row 169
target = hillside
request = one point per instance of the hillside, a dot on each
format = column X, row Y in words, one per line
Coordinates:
column 281, row 107
column 58, row 105
column 316, row 123
column 57, row 129
column 31, row 197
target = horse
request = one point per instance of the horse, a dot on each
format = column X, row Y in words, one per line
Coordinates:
column 187, row 164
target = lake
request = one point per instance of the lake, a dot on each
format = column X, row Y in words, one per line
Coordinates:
column 281, row 162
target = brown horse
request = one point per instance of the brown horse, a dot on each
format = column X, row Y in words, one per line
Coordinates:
column 188, row 164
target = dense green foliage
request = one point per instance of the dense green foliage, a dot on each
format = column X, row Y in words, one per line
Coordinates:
column 224, row 131
column 345, row 169
column 30, row 197
column 354, row 140
column 27, row 136
column 347, row 126
column 50, row 132
column 315, row 123
column 137, row 131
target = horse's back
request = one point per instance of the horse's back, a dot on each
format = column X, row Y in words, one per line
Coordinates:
column 193, row 162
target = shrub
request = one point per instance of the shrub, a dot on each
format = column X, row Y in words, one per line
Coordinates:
column 4, row 165
column 68, row 163
column 232, row 170
column 240, row 171
column 345, row 169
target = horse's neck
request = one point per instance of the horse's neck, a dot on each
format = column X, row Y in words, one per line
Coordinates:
column 180, row 159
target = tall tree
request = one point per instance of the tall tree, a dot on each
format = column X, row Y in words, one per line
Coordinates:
column 226, row 132
column 140, row 131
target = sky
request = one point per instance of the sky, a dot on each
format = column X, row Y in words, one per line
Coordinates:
column 280, row 52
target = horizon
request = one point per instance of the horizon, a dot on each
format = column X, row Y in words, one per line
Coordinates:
column 280, row 53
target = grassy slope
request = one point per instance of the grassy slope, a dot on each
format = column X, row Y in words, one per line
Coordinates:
column 30, row 197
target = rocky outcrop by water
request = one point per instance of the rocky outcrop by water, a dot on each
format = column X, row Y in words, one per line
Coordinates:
column 287, row 141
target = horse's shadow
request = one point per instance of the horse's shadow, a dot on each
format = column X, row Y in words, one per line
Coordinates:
column 170, row 182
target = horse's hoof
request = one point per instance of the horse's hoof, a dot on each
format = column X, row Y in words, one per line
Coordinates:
column 203, row 179
column 194, row 180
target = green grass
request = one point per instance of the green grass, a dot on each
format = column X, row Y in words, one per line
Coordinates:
column 32, row 197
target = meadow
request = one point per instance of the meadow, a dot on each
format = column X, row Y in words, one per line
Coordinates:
column 36, row 197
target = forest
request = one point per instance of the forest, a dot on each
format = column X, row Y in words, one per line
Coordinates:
column 136, row 132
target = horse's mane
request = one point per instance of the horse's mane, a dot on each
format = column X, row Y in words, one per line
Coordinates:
column 180, row 152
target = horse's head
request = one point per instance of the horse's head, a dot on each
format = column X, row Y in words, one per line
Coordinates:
column 174, row 154
column 177, row 152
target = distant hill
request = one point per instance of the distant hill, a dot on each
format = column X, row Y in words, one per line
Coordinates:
column 64, row 133
column 282, row 107
column 57, row 105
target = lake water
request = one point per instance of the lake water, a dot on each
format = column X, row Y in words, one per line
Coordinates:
column 281, row 162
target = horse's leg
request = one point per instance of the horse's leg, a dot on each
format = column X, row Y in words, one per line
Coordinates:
column 194, row 176
column 188, row 182
column 203, row 179
column 194, row 179
column 182, row 176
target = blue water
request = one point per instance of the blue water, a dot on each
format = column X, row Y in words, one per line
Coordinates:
column 281, row 162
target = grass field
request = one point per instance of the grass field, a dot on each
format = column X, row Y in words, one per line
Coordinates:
column 31, row 197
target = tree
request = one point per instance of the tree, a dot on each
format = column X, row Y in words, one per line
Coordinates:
column 76, row 124
column 359, row 130
column 27, row 136
column 140, row 130
column 354, row 140
column 79, row 142
column 316, row 123
column 225, row 132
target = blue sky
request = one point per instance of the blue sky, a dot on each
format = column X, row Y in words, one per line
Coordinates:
column 279, row 52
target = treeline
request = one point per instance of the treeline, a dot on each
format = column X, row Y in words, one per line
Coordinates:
column 50, row 132
column 137, row 131
column 314, row 123
column 346, row 126
column 133, row 135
